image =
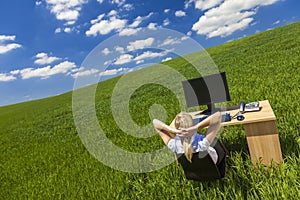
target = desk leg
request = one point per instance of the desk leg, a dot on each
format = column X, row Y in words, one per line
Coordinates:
column 263, row 142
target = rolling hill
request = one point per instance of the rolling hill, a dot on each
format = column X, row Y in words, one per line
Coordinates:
column 43, row 157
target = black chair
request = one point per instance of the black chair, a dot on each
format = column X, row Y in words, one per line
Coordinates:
column 202, row 167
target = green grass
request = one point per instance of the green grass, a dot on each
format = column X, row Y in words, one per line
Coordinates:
column 42, row 156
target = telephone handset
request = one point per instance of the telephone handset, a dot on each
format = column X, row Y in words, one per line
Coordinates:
column 239, row 115
column 242, row 107
column 249, row 107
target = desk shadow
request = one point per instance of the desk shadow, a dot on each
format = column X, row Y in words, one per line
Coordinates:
column 234, row 139
column 289, row 145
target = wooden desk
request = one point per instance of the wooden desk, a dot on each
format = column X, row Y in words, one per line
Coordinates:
column 261, row 132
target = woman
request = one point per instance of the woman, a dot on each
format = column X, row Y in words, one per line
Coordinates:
column 187, row 140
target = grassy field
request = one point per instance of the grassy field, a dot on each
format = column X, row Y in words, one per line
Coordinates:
column 42, row 156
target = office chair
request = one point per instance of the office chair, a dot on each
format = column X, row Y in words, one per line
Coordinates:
column 202, row 167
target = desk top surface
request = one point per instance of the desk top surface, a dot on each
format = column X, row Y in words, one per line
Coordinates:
column 265, row 114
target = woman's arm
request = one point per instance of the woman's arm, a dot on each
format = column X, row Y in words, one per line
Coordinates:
column 164, row 130
column 213, row 122
column 210, row 120
column 214, row 125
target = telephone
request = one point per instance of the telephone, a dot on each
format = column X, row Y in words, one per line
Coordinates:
column 246, row 107
column 249, row 107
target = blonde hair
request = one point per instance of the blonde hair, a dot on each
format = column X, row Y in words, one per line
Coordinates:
column 185, row 120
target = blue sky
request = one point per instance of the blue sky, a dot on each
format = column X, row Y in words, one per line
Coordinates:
column 44, row 42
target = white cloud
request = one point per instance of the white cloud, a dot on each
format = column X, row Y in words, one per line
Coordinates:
column 66, row 67
column 169, row 41
column 166, row 22
column 138, row 20
column 152, row 26
column 6, row 47
column 124, row 58
column 203, row 4
column 118, row 2
column 228, row 17
column 185, row 37
column 112, row 13
column 7, row 38
column 139, row 62
column 46, row 72
column 180, row 13
column 66, row 10
column 57, row 30
column 43, row 58
column 166, row 59
column 119, row 49
column 98, row 19
column 83, row 72
column 149, row 54
column 140, row 44
column 9, row 47
column 67, row 30
column 166, row 10
column 6, row 77
column 106, row 51
column 128, row 7
column 15, row 72
column 37, row 3
column 228, row 30
column 115, row 23
column 129, row 31
column 108, row 62
column 277, row 22
column 104, row 27
column 114, row 71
